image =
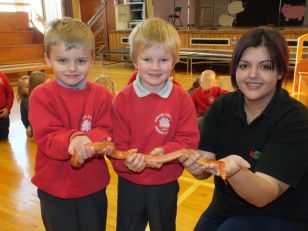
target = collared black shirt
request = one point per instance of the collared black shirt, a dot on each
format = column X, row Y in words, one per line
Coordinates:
column 275, row 143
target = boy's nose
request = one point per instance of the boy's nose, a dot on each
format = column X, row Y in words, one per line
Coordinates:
column 72, row 66
column 155, row 65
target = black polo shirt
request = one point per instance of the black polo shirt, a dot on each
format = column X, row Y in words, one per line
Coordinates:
column 275, row 143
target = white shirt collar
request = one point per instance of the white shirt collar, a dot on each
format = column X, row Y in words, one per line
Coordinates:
column 141, row 91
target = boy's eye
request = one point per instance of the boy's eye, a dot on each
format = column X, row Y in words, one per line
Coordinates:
column 164, row 60
column 81, row 61
column 61, row 61
column 146, row 59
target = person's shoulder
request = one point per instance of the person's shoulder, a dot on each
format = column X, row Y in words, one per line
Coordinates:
column 198, row 90
column 229, row 97
column 126, row 90
column 4, row 77
column 225, row 106
column 179, row 89
column 44, row 92
column 95, row 87
column 289, row 105
column 44, row 88
column 125, row 93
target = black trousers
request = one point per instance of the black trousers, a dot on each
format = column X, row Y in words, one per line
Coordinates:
column 140, row 204
column 4, row 128
column 83, row 214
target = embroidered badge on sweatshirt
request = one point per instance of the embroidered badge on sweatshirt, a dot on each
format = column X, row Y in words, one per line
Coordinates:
column 163, row 123
column 86, row 123
column 255, row 154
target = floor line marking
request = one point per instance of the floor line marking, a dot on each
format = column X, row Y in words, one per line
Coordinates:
column 201, row 182
column 187, row 193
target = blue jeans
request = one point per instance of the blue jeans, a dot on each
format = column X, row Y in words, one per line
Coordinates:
column 210, row 221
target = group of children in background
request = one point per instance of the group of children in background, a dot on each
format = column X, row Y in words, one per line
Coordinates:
column 152, row 115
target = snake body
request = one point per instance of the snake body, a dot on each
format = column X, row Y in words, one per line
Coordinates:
column 158, row 159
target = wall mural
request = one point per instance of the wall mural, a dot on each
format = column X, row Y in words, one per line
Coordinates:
column 265, row 12
column 293, row 14
column 233, row 9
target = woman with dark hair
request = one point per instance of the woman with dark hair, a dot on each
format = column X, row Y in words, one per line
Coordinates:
column 261, row 134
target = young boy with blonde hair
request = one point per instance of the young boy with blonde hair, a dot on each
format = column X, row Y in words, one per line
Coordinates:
column 65, row 114
column 154, row 116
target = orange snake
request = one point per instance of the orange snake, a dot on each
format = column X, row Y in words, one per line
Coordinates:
column 159, row 159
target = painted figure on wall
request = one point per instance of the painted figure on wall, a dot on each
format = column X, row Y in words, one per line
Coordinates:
column 293, row 13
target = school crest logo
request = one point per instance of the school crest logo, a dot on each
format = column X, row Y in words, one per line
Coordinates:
column 211, row 100
column 86, row 123
column 255, row 154
column 163, row 123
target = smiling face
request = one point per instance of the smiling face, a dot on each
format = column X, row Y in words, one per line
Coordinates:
column 154, row 65
column 70, row 66
column 255, row 77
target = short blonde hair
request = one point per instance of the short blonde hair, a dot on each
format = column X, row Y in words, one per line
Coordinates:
column 105, row 82
column 151, row 32
column 72, row 32
column 207, row 79
column 21, row 93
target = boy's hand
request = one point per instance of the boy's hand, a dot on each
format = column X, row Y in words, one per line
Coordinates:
column 4, row 112
column 156, row 152
column 135, row 163
column 76, row 142
column 106, row 151
column 84, row 151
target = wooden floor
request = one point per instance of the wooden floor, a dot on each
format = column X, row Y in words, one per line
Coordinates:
column 19, row 205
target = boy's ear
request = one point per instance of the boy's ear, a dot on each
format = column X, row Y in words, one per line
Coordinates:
column 47, row 60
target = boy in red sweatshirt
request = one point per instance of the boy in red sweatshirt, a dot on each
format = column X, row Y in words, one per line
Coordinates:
column 65, row 114
column 6, row 103
column 154, row 116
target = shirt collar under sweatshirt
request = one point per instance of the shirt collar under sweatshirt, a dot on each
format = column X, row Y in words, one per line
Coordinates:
column 80, row 86
column 141, row 91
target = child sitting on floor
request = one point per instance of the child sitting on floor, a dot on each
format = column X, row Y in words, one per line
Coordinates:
column 204, row 96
